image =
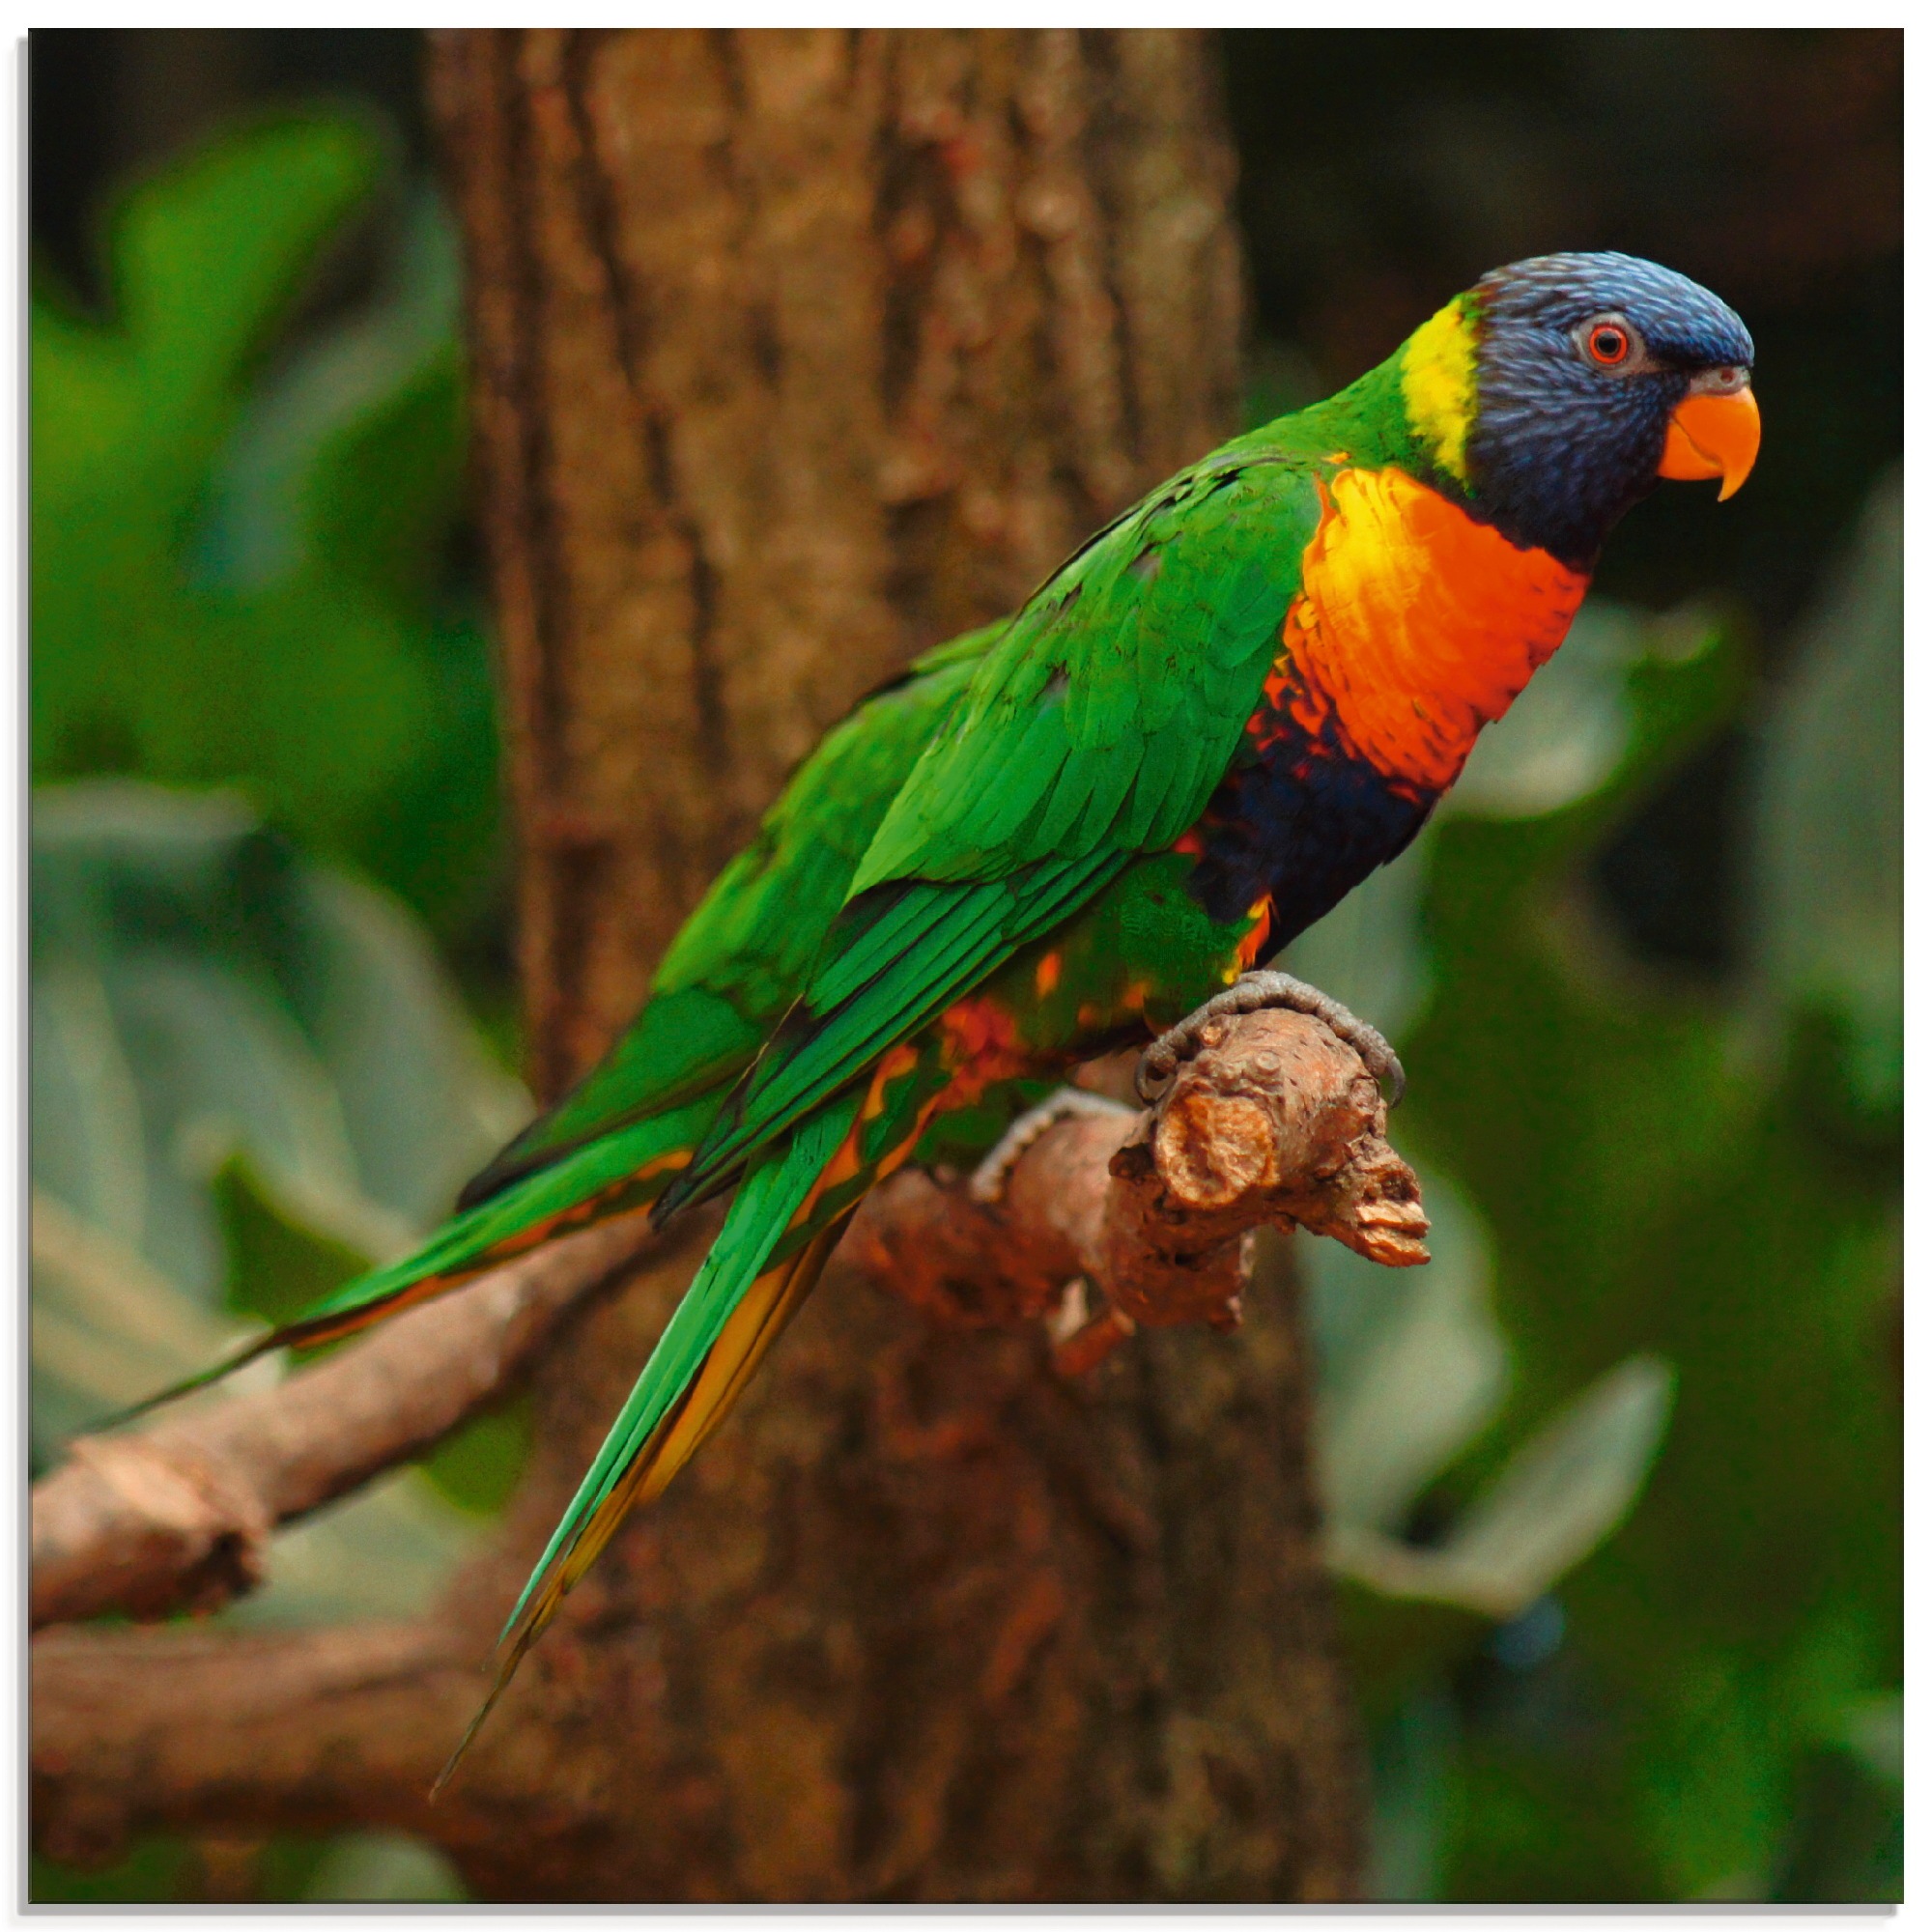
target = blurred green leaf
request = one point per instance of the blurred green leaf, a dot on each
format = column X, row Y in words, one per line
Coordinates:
column 387, row 1867
column 1847, row 1841
column 252, row 1077
column 1873, row 1730
column 346, row 457
column 240, row 570
column 107, row 1328
column 250, row 1073
column 206, row 257
column 478, row 1465
column 1414, row 1368
column 276, row 1265
column 1411, row 1758
column 1558, row 1497
column 206, row 253
column 1829, row 844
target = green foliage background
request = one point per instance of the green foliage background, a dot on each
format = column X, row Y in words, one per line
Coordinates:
column 239, row 558
column 1613, row 1485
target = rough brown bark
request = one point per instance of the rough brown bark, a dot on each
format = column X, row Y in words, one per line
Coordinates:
column 798, row 352
column 795, row 353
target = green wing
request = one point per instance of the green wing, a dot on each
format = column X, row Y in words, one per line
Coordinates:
column 1095, row 729
column 1110, row 709
column 745, row 952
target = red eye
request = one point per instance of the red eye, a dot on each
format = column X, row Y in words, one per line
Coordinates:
column 1609, row 344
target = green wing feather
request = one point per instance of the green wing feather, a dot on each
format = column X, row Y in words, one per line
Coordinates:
column 1114, row 702
column 735, row 1307
column 1094, row 729
column 759, row 1214
column 743, row 956
column 917, row 946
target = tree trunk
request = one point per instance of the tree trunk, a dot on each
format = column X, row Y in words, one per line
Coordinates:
column 796, row 352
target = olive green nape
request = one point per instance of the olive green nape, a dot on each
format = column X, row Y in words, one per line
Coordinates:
column 1414, row 409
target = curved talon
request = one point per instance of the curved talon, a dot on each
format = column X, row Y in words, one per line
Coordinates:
column 1249, row 994
column 988, row 1184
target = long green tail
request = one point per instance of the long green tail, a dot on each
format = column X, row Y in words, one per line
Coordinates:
column 766, row 1259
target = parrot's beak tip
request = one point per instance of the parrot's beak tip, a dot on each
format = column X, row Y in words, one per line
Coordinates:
column 1713, row 435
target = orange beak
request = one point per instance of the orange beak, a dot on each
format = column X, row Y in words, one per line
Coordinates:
column 1712, row 436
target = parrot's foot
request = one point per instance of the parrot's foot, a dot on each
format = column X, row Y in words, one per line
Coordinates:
column 1249, row 994
column 988, row 1185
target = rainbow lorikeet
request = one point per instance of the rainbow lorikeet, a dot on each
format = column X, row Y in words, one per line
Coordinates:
column 1055, row 834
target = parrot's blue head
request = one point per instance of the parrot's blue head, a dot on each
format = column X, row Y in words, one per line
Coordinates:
column 1558, row 391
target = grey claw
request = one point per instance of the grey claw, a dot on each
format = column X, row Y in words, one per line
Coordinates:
column 988, row 1184
column 1251, row 993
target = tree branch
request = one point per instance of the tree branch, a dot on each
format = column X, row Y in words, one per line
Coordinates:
column 188, row 1730
column 179, row 1515
column 1274, row 1122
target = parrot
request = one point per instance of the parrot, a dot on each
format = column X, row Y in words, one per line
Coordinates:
column 1084, row 826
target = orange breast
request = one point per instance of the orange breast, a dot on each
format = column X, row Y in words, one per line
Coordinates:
column 1416, row 625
